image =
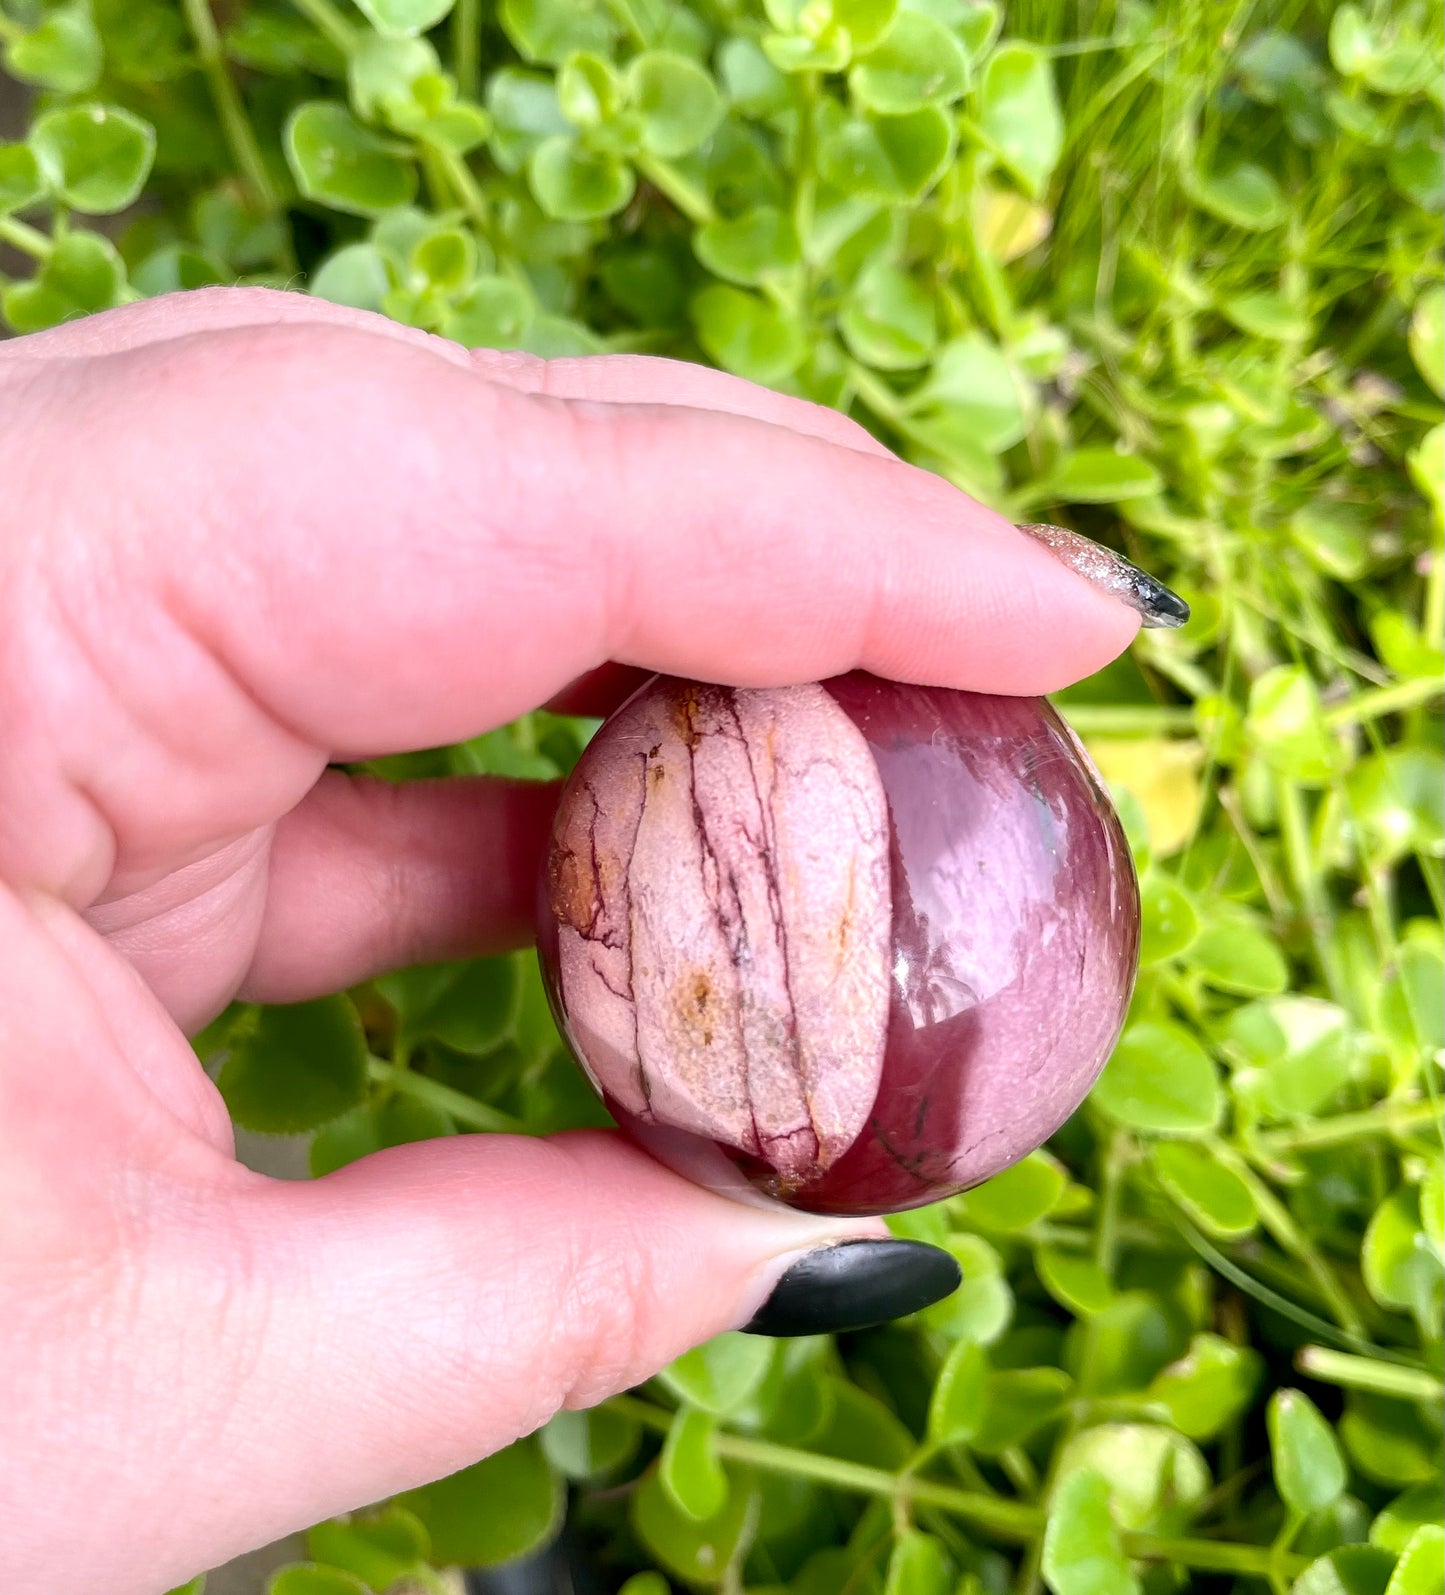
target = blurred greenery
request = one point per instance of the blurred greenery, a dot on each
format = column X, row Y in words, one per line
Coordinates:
column 1170, row 273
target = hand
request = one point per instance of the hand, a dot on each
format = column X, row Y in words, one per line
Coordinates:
column 247, row 534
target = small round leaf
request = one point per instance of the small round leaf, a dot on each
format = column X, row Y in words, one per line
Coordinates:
column 297, row 1067
column 95, row 157
column 339, row 163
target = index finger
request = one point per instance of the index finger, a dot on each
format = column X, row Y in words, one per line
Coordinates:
column 390, row 551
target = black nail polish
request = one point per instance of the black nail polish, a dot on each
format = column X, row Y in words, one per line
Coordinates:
column 1158, row 604
column 854, row 1285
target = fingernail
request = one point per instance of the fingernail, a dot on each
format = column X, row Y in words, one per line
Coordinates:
column 854, row 1285
column 1113, row 574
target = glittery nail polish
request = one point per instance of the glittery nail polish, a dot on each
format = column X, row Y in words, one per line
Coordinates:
column 1113, row 574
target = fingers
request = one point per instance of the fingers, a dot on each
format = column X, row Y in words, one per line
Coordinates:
column 327, row 541
column 366, row 876
column 605, row 379
column 343, row 1340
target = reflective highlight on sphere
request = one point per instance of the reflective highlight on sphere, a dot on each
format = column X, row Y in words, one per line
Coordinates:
column 862, row 944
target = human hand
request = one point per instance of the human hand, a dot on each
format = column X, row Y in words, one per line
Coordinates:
column 248, row 534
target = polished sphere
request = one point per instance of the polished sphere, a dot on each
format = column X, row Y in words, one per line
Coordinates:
column 858, row 943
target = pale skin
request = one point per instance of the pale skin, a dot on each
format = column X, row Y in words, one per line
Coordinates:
column 244, row 535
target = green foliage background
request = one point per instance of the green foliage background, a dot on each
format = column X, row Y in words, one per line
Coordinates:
column 1167, row 273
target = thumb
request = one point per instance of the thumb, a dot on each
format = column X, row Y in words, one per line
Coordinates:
column 401, row 1318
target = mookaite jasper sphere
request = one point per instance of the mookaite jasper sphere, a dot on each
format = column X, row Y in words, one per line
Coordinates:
column 859, row 943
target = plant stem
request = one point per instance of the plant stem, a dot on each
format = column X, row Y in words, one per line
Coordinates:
column 467, row 46
column 1369, row 1373
column 329, row 20
column 230, row 108
column 459, row 175
column 1280, row 1223
column 1307, row 883
column 29, row 240
column 1380, row 1120
column 464, row 1109
column 1099, row 719
column 1378, row 701
column 689, row 198
column 1010, row 1520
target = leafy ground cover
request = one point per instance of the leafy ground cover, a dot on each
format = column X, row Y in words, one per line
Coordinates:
column 1170, row 274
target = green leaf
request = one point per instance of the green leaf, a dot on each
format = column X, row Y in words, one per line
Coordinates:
column 1211, row 1193
column 864, row 21
column 745, row 334
column 82, row 274
column 589, row 1445
column 1074, row 1280
column 296, row 1067
column 494, row 314
column 498, row 1509
column 1392, row 1442
column 1208, row 1387
column 1348, row 1570
column 1013, row 1200
column 887, row 319
column 981, row 1306
column 573, row 183
column 1268, row 315
column 1286, row 724
column 195, row 1586
column 649, row 1583
column 378, row 1547
column 95, row 158
column 861, row 1429
column 354, row 1135
column 746, row 249
column 1017, row 1403
column 919, row 62
column 354, row 275
column 167, row 270
column 467, row 1006
column 1395, row 1525
column 888, row 158
column 308, row 1578
column 403, row 18
column 1160, row 1079
column 550, row 30
column 1082, row 1553
column 1351, row 46
column 1019, row 116
column 956, row 1407
column 1101, row 476
column 62, row 52
column 341, row 164
column 678, row 102
column 689, row 1470
column 918, row 1565
column 1245, row 196
column 972, row 385
column 720, row 1375
column 700, row 1552
column 1421, row 1568
column 1302, row 1045
column 1427, row 337
column 1156, row 1478
column 525, row 112
column 1397, row 1266
column 1168, row 921
column 589, row 91
column 21, row 183
column 1309, row 1471
column 1234, row 952
column 381, row 73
